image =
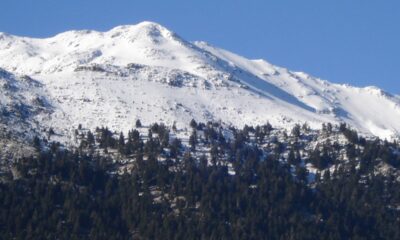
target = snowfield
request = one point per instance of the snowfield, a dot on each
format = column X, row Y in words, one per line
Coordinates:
column 147, row 72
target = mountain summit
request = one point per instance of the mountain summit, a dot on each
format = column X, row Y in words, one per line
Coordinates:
column 147, row 72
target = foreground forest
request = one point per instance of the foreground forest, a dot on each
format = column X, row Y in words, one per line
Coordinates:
column 217, row 183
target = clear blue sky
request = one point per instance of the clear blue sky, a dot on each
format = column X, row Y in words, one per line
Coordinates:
column 344, row 41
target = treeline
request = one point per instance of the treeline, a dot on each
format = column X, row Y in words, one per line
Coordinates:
column 250, row 185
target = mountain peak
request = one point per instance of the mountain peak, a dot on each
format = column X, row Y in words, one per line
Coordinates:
column 150, row 24
column 142, row 25
column 144, row 29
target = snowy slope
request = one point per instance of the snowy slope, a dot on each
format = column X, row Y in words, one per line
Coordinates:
column 22, row 105
column 146, row 71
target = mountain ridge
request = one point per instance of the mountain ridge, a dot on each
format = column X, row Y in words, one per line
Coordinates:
column 149, row 72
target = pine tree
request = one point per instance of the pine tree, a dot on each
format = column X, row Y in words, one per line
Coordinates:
column 193, row 124
column 121, row 143
column 90, row 138
column 193, row 140
column 138, row 124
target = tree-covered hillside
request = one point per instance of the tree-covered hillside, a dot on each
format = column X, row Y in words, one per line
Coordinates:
column 216, row 183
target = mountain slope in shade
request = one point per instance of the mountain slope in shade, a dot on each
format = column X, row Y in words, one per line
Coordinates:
column 146, row 71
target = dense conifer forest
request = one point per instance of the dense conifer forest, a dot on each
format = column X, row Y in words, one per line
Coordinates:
column 217, row 183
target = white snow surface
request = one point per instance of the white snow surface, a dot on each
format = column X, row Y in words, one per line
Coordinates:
column 147, row 72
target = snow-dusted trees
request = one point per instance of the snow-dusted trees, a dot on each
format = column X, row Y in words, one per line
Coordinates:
column 246, row 185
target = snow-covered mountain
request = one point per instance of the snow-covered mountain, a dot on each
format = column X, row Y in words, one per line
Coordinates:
column 147, row 72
